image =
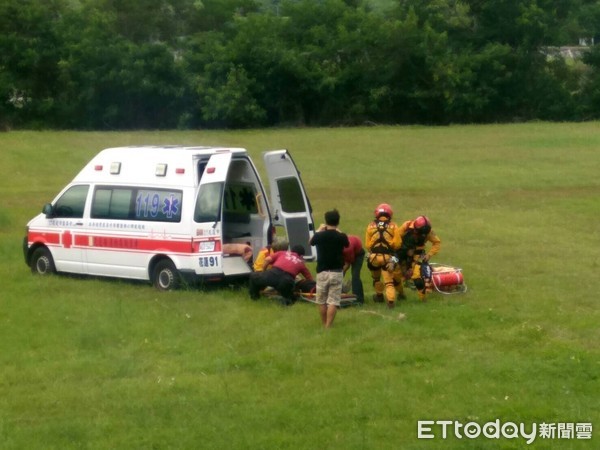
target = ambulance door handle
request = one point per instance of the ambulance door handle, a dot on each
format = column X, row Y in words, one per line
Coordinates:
column 79, row 224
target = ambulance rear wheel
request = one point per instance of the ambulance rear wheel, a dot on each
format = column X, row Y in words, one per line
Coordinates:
column 42, row 262
column 166, row 277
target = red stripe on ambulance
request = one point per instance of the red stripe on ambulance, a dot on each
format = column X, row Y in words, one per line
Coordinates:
column 44, row 237
column 128, row 243
column 67, row 239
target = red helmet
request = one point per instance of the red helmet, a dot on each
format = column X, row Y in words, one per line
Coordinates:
column 422, row 225
column 384, row 210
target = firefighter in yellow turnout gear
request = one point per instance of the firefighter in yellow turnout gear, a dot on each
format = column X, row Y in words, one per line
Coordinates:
column 413, row 257
column 382, row 241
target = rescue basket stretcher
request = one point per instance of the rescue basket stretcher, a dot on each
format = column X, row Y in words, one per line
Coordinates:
column 347, row 299
column 447, row 279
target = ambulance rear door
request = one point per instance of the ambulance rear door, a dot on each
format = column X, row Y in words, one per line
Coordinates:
column 290, row 206
column 208, row 216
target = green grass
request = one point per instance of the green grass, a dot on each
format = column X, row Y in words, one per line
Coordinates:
column 93, row 363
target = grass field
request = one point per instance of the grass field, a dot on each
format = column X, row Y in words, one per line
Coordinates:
column 96, row 364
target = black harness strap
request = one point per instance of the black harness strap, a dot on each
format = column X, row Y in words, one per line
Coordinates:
column 382, row 245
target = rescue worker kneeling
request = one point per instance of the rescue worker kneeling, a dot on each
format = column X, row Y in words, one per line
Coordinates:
column 286, row 266
column 278, row 245
column 382, row 240
column 414, row 259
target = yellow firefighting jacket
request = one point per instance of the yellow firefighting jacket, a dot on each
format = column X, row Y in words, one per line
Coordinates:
column 411, row 241
column 382, row 237
column 260, row 258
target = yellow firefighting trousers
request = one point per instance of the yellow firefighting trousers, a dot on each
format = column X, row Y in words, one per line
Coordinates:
column 385, row 280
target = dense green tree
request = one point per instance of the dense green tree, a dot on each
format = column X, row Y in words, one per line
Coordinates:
column 241, row 63
column 577, row 19
column 110, row 81
column 29, row 48
column 334, row 58
column 218, row 15
column 589, row 104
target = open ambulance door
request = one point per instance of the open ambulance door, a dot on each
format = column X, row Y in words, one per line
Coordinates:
column 290, row 206
column 209, row 208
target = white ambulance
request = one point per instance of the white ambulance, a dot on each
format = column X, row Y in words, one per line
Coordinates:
column 169, row 214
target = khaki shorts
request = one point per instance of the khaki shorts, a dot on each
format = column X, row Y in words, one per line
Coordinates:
column 329, row 288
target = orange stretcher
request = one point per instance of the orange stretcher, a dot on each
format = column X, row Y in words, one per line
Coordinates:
column 346, row 300
column 448, row 279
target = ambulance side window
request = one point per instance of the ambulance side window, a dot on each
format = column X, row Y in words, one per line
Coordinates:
column 72, row 202
column 137, row 203
column 111, row 203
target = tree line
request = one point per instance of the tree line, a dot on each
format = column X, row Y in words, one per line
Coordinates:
column 129, row 64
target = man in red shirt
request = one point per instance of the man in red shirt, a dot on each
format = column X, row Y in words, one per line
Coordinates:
column 285, row 266
column 354, row 256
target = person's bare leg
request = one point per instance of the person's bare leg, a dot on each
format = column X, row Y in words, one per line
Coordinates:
column 323, row 313
column 331, row 311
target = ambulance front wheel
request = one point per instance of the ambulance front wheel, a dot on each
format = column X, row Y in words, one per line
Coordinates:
column 165, row 276
column 42, row 262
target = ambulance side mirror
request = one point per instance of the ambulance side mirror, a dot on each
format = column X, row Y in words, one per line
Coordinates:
column 48, row 210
